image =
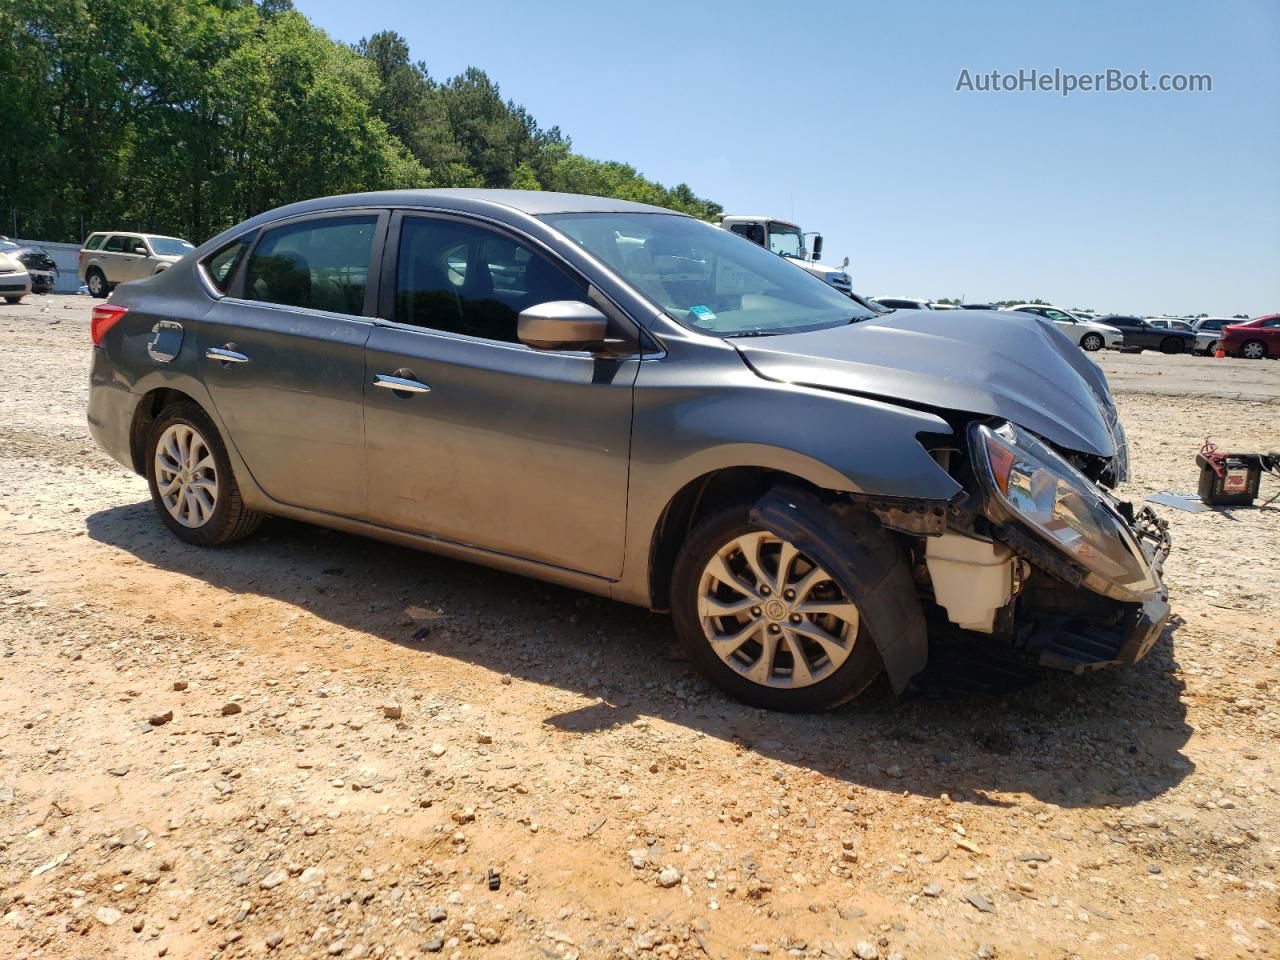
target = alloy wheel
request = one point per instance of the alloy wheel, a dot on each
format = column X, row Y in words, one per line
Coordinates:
column 1253, row 350
column 186, row 476
column 97, row 284
column 773, row 615
column 1092, row 341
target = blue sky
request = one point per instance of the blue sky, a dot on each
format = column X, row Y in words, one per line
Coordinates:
column 845, row 118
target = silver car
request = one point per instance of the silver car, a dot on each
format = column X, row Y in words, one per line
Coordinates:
column 631, row 402
column 110, row 258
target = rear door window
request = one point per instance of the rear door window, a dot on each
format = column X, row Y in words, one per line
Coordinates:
column 320, row 264
column 117, row 244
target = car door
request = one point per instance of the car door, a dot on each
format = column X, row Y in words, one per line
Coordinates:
column 114, row 260
column 515, row 450
column 283, row 357
column 1061, row 321
column 132, row 259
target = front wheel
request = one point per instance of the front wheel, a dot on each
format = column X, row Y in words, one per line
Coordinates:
column 191, row 482
column 1092, row 341
column 1253, row 350
column 765, row 622
column 13, row 299
column 1171, row 345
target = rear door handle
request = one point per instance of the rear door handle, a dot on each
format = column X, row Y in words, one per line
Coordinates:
column 225, row 356
column 400, row 383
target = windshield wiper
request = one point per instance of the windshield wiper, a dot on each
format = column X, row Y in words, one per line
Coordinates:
column 751, row 333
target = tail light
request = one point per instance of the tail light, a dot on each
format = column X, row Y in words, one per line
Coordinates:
column 105, row 316
column 80, row 257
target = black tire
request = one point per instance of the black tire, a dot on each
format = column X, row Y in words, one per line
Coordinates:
column 1213, row 347
column 13, row 299
column 1171, row 345
column 707, row 538
column 1092, row 342
column 230, row 519
column 1257, row 345
column 97, row 283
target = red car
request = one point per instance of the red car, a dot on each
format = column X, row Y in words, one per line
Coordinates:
column 1253, row 339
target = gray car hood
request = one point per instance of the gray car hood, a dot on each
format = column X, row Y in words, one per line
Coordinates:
column 1018, row 367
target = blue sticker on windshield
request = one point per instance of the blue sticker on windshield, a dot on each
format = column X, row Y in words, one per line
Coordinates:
column 704, row 313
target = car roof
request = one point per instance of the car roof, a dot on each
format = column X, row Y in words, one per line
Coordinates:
column 531, row 202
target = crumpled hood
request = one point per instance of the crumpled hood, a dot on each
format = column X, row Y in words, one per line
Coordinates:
column 1015, row 366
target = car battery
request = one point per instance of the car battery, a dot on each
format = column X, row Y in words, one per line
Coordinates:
column 1229, row 480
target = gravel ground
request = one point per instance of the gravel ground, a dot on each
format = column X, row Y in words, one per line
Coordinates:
column 312, row 745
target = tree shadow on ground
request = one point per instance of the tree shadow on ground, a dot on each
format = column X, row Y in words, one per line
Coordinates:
column 1108, row 738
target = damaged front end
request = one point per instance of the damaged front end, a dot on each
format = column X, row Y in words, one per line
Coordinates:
column 1043, row 561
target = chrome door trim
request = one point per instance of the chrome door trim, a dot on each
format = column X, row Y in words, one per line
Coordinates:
column 223, row 355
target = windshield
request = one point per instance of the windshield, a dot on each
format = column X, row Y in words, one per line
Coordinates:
column 786, row 240
column 169, row 247
column 706, row 278
column 9, row 245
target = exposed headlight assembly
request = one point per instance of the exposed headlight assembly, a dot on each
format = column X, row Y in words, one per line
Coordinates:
column 1026, row 480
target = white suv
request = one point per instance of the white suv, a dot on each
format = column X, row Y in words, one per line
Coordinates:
column 110, row 258
column 1089, row 334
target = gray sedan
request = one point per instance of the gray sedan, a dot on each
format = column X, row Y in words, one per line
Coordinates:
column 630, row 402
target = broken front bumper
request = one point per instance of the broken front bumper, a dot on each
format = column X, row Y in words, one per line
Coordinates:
column 1079, row 644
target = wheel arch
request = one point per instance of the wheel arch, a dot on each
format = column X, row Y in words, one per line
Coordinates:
column 694, row 500
column 148, row 408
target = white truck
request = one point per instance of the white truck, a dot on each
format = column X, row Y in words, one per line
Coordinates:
column 787, row 240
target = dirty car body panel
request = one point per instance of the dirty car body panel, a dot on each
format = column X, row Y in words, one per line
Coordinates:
column 591, row 467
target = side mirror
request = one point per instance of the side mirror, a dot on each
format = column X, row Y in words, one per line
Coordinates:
column 562, row 325
column 817, row 246
column 139, row 248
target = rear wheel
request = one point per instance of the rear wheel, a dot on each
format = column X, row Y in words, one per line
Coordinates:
column 13, row 299
column 766, row 623
column 1253, row 350
column 1171, row 345
column 192, row 485
column 1091, row 341
column 97, row 282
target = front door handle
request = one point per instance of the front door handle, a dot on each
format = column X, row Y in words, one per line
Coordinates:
column 225, row 356
column 401, row 382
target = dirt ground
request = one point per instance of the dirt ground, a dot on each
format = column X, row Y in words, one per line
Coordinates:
column 312, row 745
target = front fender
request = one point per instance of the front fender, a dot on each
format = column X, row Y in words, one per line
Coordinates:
column 834, row 441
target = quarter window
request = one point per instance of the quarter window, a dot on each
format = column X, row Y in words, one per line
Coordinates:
column 318, row 264
column 463, row 278
column 222, row 265
column 94, row 242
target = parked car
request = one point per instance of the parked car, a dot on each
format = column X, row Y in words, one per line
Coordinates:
column 979, row 306
column 1089, row 334
column 41, row 267
column 634, row 403
column 1214, row 325
column 903, row 303
column 935, row 305
column 110, row 258
column 1253, row 339
column 1140, row 335
column 1203, row 340
column 15, row 282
